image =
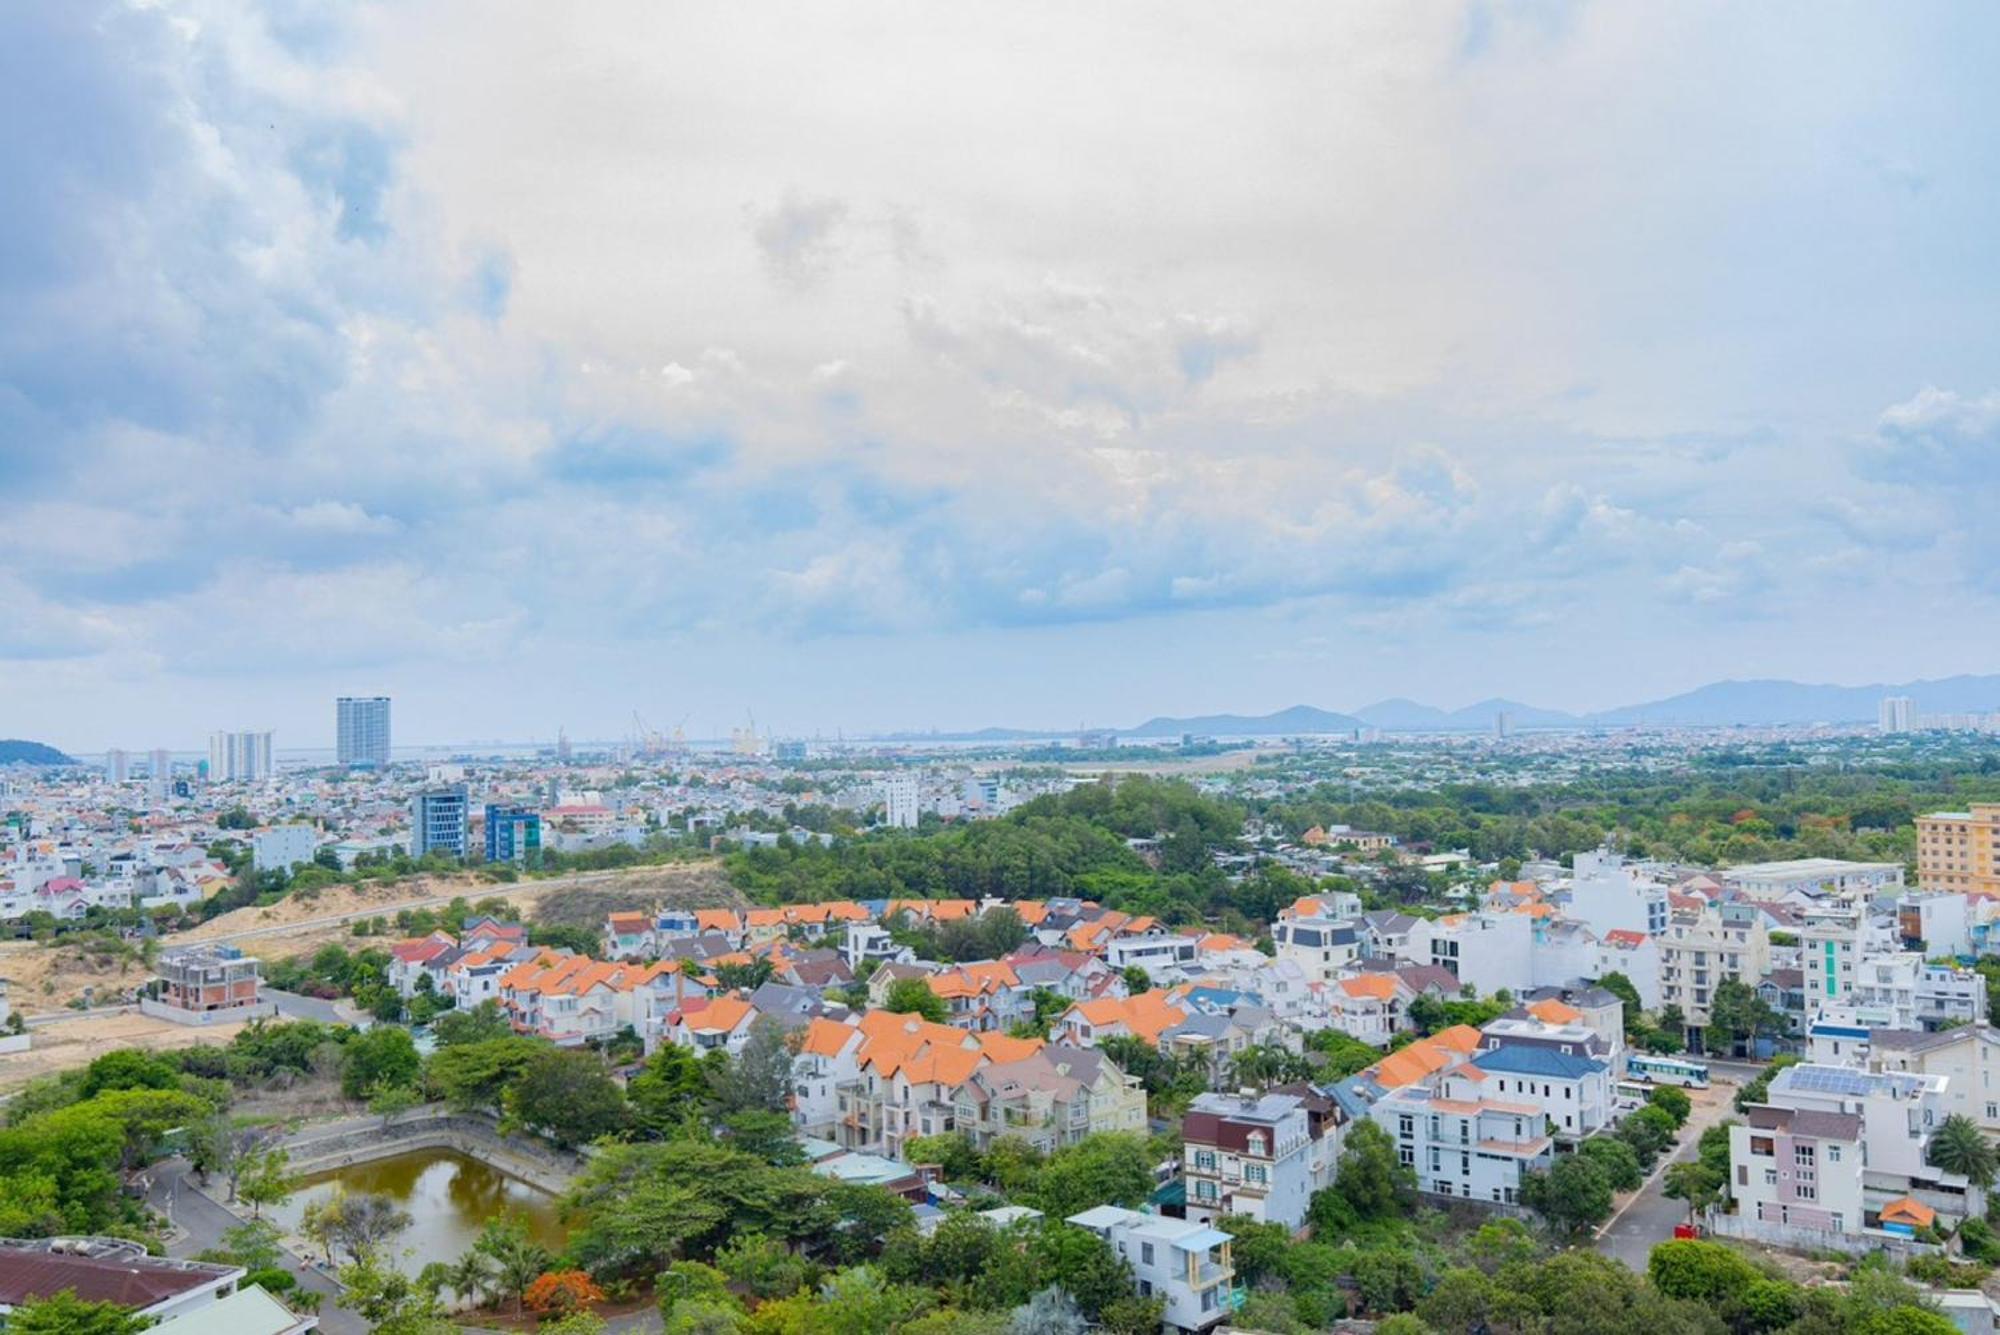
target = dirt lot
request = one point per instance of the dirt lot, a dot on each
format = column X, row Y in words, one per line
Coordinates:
column 45, row 978
column 71, row 1043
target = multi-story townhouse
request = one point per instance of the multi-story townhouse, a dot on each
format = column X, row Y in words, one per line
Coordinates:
column 1968, row 1058
column 1571, row 1089
column 1212, row 1042
column 570, row 999
column 1937, row 923
column 1798, row 1169
column 888, row 975
column 1702, row 947
column 1068, row 973
column 864, row 942
column 1462, row 1140
column 982, row 996
column 1635, row 956
column 1832, row 939
column 1388, row 935
column 1367, row 1006
column 407, row 960
column 1899, row 1112
column 1322, row 948
column 1574, row 1030
column 907, row 1074
column 1906, row 991
column 1252, row 1155
column 827, row 1058
column 630, row 936
column 1487, row 951
column 1608, row 894
column 1051, row 1098
column 1144, row 1016
column 711, row 1024
column 1184, row 1263
column 1166, row 958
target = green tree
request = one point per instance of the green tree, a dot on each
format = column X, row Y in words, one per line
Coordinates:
column 1111, row 1168
column 1618, row 1161
column 476, row 1024
column 1705, row 1272
column 475, row 1076
column 1675, row 1101
column 567, row 1094
column 1699, row 1184
column 760, row 1077
column 913, row 996
column 66, row 1314
column 517, row 1259
column 1573, row 1195
column 385, row 1055
column 391, row 1302
column 1370, row 1178
column 389, row 1102
column 266, row 1180
column 670, row 1092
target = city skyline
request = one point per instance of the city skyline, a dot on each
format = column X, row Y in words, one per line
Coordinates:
column 1024, row 367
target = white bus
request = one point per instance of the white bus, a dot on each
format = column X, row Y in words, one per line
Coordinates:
column 1667, row 1071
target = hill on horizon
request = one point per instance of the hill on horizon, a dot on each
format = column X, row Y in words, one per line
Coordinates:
column 14, row 751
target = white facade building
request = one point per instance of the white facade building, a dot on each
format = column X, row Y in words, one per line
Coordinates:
column 1607, row 894
column 239, row 757
column 1186, row 1263
column 902, row 798
column 282, row 847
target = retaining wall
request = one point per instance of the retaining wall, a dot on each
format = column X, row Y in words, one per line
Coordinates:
column 539, row 1165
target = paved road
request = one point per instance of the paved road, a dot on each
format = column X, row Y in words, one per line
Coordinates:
column 203, row 1223
column 1649, row 1217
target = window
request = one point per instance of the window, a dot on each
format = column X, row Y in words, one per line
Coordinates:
column 1807, row 1193
column 1204, row 1159
column 1146, row 1253
column 1770, row 1177
column 1764, row 1146
column 1802, row 1155
column 1255, row 1173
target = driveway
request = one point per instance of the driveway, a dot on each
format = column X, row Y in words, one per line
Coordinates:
column 203, row 1222
column 1648, row 1216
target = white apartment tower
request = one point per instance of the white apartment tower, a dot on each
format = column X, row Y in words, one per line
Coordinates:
column 239, row 757
column 1897, row 713
column 901, row 795
column 361, row 730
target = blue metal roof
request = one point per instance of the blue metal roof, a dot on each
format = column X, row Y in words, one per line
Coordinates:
column 1523, row 1059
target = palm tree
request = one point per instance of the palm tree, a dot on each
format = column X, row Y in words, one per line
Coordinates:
column 517, row 1258
column 1960, row 1147
column 469, row 1275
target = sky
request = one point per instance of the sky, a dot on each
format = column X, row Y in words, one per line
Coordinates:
column 877, row 366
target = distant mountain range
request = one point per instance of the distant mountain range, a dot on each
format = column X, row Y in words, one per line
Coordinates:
column 1718, row 704
column 16, row 752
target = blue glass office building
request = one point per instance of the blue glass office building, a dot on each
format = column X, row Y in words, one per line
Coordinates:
column 513, row 834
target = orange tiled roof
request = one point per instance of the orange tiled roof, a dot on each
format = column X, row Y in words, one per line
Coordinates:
column 1380, row 986
column 721, row 1013
column 1425, row 1056
column 1147, row 1015
column 827, row 1038
column 1908, row 1210
column 1552, row 1011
